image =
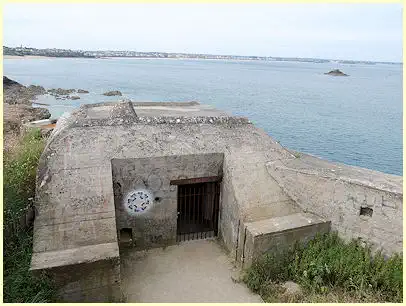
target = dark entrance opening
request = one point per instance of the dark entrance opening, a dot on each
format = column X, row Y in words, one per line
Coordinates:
column 198, row 209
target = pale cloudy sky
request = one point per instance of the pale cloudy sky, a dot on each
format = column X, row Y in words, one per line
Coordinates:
column 334, row 31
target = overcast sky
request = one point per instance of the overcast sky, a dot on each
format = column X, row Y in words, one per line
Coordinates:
column 333, row 31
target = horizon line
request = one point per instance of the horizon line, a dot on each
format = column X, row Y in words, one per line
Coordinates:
column 186, row 53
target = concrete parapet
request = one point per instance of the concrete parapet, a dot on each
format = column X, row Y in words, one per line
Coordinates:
column 278, row 234
column 360, row 203
column 88, row 274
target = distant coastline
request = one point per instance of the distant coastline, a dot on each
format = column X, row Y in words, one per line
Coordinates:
column 26, row 52
column 24, row 57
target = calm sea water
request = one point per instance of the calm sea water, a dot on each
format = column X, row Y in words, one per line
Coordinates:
column 355, row 120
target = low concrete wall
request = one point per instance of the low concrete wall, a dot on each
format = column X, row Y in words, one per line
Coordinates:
column 101, row 284
column 88, row 273
column 337, row 193
column 278, row 234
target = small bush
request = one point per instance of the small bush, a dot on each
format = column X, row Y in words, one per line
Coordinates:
column 328, row 263
column 19, row 172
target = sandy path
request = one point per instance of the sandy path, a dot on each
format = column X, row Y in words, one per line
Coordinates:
column 194, row 271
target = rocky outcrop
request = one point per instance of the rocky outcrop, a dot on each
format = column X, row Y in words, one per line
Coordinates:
column 8, row 83
column 336, row 72
column 60, row 91
column 63, row 94
column 15, row 93
column 37, row 90
column 17, row 114
column 18, row 109
column 113, row 93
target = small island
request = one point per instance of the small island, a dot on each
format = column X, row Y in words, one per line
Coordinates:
column 113, row 93
column 336, row 72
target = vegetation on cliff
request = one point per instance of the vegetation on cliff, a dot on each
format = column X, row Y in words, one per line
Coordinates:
column 19, row 172
column 328, row 270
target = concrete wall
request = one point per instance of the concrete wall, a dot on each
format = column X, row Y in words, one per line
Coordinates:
column 157, row 225
column 88, row 273
column 229, row 209
column 338, row 192
column 278, row 234
column 101, row 283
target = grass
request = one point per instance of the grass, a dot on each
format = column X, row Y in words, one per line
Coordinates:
column 328, row 270
column 19, row 172
column 297, row 154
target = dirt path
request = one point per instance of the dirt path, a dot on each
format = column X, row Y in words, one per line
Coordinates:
column 194, row 271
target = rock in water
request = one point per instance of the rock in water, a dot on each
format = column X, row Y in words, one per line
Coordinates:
column 113, row 93
column 336, row 72
column 61, row 91
column 74, row 97
column 82, row 91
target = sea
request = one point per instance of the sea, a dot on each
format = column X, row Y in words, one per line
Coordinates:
column 356, row 120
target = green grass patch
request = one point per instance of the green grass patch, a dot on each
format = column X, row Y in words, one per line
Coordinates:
column 19, row 172
column 297, row 154
column 329, row 269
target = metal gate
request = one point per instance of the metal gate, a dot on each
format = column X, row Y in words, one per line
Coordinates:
column 198, row 210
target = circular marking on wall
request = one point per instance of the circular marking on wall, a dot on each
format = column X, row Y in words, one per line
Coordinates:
column 138, row 201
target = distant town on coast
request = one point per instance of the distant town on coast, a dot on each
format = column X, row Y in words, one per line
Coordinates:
column 54, row 52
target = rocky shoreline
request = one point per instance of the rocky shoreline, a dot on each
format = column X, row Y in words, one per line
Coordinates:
column 18, row 103
column 18, row 109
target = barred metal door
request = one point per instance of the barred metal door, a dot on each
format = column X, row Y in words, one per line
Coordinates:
column 198, row 209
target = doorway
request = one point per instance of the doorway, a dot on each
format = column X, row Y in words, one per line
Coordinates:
column 198, row 210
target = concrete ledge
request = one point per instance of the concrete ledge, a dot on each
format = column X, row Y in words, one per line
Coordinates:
column 95, row 280
column 183, row 104
column 314, row 166
column 281, row 224
column 279, row 233
column 85, row 254
column 143, row 103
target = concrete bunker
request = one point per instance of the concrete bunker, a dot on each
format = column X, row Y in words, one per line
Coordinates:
column 118, row 175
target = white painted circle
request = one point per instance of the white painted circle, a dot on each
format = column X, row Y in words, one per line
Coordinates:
column 138, row 201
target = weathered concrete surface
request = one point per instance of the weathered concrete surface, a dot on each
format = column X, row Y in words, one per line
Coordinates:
column 127, row 145
column 337, row 192
column 157, row 226
column 75, row 196
column 194, row 271
column 279, row 233
column 90, row 273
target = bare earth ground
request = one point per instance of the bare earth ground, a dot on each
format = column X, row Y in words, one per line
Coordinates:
column 194, row 271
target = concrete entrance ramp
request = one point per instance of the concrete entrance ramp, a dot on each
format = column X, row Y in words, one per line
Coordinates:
column 195, row 271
